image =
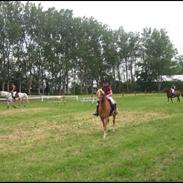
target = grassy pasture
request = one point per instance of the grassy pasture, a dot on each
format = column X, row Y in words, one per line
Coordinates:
column 55, row 141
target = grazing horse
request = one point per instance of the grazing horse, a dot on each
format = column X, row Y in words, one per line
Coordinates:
column 170, row 95
column 8, row 97
column 104, row 110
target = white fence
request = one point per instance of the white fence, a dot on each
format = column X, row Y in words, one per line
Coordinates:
column 88, row 99
column 60, row 98
column 46, row 97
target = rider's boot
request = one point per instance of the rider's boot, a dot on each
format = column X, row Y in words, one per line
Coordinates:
column 115, row 109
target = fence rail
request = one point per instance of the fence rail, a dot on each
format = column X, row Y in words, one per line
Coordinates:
column 88, row 99
column 47, row 97
column 43, row 98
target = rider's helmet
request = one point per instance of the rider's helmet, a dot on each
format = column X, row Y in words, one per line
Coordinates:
column 173, row 87
column 105, row 82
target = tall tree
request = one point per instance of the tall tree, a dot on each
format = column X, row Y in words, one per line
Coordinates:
column 158, row 55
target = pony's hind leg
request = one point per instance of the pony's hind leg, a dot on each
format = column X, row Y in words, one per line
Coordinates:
column 8, row 105
column 107, row 121
column 114, row 117
column 168, row 99
column 14, row 106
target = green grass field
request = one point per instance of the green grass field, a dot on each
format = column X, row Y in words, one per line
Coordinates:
column 55, row 141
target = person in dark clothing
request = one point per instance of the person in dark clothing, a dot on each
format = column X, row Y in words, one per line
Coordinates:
column 13, row 91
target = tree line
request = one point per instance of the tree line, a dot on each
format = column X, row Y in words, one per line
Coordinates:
column 54, row 52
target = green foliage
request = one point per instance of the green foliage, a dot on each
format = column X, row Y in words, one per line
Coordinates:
column 75, row 89
column 158, row 53
column 178, row 65
column 56, row 47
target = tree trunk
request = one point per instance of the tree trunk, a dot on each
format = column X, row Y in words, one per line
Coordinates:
column 20, row 85
column 126, row 70
column 3, row 86
column 160, row 83
column 8, row 86
column 29, row 84
column 39, row 87
column 51, row 87
column 118, row 71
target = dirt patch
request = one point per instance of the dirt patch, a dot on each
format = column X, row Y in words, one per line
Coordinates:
column 9, row 112
column 26, row 135
column 138, row 117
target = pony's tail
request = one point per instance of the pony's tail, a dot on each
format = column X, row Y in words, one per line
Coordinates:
column 182, row 94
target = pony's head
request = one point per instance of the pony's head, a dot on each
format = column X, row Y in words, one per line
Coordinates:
column 100, row 94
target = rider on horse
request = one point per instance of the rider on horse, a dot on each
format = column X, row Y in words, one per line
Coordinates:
column 13, row 89
column 107, row 88
column 173, row 90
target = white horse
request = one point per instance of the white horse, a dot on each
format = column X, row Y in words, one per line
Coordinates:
column 21, row 97
column 8, row 97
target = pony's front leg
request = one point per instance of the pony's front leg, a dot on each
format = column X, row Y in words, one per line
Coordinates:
column 105, row 134
column 13, row 104
column 104, row 122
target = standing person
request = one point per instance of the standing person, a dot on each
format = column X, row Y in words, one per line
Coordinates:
column 107, row 88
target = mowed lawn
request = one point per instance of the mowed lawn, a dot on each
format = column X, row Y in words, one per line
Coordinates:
column 62, row 141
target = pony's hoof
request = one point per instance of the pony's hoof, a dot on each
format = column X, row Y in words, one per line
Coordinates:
column 104, row 136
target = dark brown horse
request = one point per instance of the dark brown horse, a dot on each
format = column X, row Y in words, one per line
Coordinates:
column 105, row 111
column 170, row 95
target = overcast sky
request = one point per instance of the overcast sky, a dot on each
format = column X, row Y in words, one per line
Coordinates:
column 132, row 15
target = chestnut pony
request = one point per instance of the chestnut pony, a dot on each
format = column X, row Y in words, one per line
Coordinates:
column 104, row 110
column 169, row 94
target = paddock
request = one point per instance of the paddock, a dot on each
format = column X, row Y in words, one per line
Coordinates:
column 62, row 141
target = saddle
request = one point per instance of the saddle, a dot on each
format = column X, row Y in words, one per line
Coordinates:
column 173, row 94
